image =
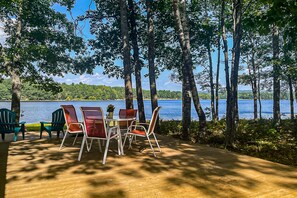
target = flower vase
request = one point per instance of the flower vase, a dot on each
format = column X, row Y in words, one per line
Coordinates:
column 110, row 115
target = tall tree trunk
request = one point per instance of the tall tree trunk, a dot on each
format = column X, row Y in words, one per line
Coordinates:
column 233, row 110
column 226, row 61
column 186, row 105
column 211, row 80
column 184, row 40
column 291, row 97
column 259, row 93
column 14, row 68
column 276, row 75
column 134, row 38
column 218, row 74
column 151, row 57
column 126, row 55
column 16, row 93
column 254, row 84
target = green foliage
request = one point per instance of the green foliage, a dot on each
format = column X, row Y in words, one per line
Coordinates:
column 259, row 138
column 41, row 42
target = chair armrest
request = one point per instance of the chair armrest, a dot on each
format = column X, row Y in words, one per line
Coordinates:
column 58, row 122
column 136, row 126
column 144, row 124
column 77, row 123
column 45, row 122
column 13, row 123
column 112, row 128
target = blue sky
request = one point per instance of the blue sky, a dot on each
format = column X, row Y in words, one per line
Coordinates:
column 163, row 81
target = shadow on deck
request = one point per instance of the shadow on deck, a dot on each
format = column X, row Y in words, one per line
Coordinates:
column 37, row 168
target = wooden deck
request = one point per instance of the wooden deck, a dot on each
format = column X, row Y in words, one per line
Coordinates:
column 36, row 168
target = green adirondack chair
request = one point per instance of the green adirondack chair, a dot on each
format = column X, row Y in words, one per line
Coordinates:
column 8, row 124
column 57, row 124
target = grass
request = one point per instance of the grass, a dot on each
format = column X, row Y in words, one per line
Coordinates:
column 33, row 127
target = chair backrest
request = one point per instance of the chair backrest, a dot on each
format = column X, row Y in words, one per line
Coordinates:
column 58, row 119
column 94, row 122
column 127, row 113
column 7, row 118
column 70, row 117
column 153, row 120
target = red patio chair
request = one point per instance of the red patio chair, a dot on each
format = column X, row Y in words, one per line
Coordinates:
column 73, row 126
column 95, row 128
column 126, row 113
column 140, row 131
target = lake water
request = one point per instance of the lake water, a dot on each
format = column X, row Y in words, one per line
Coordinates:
column 33, row 112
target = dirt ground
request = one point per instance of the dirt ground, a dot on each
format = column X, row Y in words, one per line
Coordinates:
column 37, row 168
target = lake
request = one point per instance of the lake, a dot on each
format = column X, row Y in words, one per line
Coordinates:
column 33, row 112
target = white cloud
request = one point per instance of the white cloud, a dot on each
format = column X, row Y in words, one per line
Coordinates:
column 91, row 79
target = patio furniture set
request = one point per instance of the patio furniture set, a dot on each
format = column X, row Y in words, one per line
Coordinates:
column 94, row 127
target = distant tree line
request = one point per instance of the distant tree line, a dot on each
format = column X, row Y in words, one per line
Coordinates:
column 100, row 92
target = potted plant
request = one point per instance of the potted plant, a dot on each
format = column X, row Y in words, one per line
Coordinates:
column 110, row 109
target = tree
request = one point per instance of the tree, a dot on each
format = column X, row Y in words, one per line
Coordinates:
column 232, row 92
column 151, row 56
column 179, row 9
column 39, row 45
column 137, row 62
column 126, row 55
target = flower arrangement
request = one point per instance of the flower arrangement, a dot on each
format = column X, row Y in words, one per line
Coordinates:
column 110, row 108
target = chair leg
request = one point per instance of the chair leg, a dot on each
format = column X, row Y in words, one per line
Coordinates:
column 126, row 136
column 23, row 134
column 105, row 152
column 89, row 147
column 82, row 148
column 148, row 138
column 131, row 140
column 40, row 133
column 120, row 145
column 3, row 136
column 157, row 142
column 50, row 134
column 125, row 139
column 58, row 134
column 15, row 137
column 100, row 149
column 75, row 139
column 63, row 140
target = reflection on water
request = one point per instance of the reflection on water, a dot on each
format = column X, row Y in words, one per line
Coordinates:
column 171, row 109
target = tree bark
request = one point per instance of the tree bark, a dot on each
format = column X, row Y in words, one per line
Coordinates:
column 186, row 105
column 259, row 93
column 134, row 38
column 126, row 55
column 291, row 97
column 151, row 58
column 254, row 82
column 276, row 75
column 211, row 80
column 16, row 93
column 218, row 74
